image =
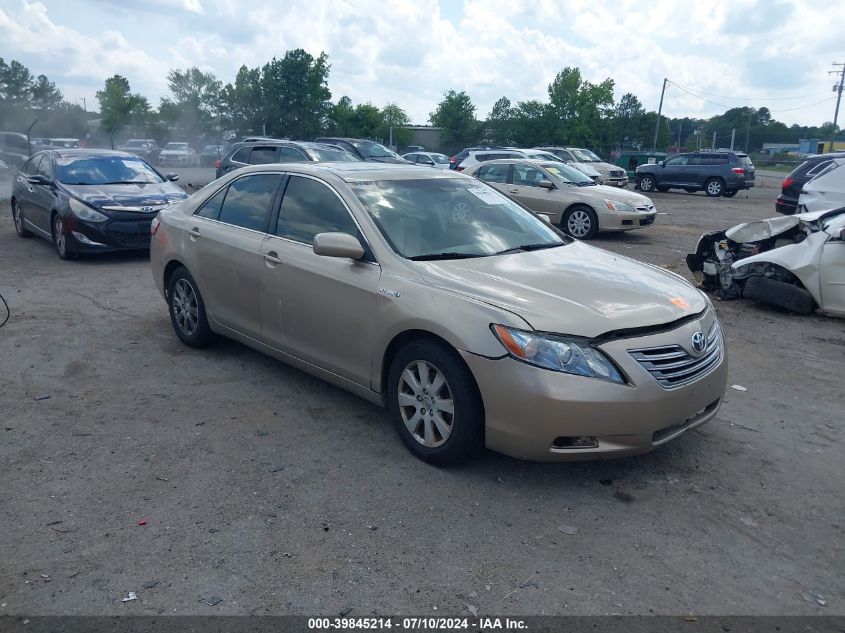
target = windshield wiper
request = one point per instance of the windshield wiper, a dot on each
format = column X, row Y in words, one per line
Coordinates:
column 128, row 182
column 433, row 256
column 531, row 247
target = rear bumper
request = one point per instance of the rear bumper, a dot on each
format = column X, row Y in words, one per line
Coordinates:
column 786, row 206
column 528, row 410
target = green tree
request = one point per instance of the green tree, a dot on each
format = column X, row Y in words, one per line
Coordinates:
column 582, row 109
column 15, row 83
column 242, row 102
column 296, row 97
column 498, row 128
column 197, row 101
column 340, row 118
column 532, row 123
column 456, row 115
column 120, row 106
column 627, row 120
column 44, row 95
column 366, row 121
column 395, row 117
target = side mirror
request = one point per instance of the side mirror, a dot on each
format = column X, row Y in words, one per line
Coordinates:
column 660, row 163
column 38, row 179
column 172, row 177
column 338, row 245
column 546, row 184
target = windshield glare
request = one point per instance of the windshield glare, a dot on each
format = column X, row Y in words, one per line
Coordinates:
column 449, row 215
column 103, row 170
column 373, row 150
column 566, row 174
column 440, row 158
column 586, row 155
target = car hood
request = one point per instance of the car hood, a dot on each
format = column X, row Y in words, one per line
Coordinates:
column 574, row 289
column 387, row 159
column 128, row 195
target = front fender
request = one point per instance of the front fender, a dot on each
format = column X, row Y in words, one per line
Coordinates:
column 801, row 259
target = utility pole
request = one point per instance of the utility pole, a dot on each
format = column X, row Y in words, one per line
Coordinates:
column 680, row 127
column 714, row 142
column 838, row 91
column 733, row 136
column 748, row 130
column 659, row 112
column 84, row 105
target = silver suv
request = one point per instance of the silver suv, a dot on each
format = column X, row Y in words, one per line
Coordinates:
column 610, row 174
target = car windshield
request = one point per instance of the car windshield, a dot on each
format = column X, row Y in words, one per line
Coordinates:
column 451, row 218
column 568, row 175
column 176, row 146
column 369, row 149
column 544, row 156
column 330, row 154
column 105, row 170
column 585, row 155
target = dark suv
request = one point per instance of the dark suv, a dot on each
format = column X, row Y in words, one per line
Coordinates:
column 787, row 202
column 269, row 151
column 717, row 173
column 364, row 149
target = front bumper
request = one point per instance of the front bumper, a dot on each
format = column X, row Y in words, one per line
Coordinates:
column 528, row 409
column 626, row 221
column 120, row 233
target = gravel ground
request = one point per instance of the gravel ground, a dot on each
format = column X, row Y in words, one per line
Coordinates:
column 183, row 475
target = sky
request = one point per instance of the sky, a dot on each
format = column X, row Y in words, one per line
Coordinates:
column 773, row 53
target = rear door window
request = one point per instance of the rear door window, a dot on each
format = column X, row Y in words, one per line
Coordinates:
column 249, row 200
column 494, row 173
column 262, row 155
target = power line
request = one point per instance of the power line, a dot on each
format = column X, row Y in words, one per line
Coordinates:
column 809, row 105
column 728, row 107
column 710, row 94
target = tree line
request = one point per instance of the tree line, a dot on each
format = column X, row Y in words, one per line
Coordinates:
column 290, row 98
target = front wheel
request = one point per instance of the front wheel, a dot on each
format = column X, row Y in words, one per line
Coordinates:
column 580, row 222
column 60, row 239
column 714, row 187
column 20, row 229
column 434, row 403
column 187, row 310
column 646, row 183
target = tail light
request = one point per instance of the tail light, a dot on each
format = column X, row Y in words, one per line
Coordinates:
column 154, row 226
column 217, row 164
column 788, row 182
column 459, row 168
column 738, row 170
column 452, row 160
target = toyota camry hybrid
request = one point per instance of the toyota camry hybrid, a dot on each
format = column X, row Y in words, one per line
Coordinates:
column 471, row 319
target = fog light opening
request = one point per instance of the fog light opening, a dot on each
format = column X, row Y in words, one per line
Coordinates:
column 575, row 441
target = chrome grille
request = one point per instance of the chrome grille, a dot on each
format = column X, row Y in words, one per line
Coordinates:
column 616, row 173
column 645, row 208
column 672, row 366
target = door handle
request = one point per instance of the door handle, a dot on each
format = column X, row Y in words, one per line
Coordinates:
column 272, row 257
column 194, row 232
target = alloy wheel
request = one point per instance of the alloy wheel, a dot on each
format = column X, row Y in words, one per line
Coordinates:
column 714, row 188
column 425, row 403
column 16, row 216
column 59, row 237
column 185, row 307
column 646, row 183
column 579, row 223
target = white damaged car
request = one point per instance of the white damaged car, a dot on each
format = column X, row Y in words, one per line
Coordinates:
column 795, row 262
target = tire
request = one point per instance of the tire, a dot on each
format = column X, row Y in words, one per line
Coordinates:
column 779, row 293
column 20, row 229
column 714, row 187
column 729, row 193
column 60, row 238
column 580, row 222
column 187, row 310
column 646, row 183
column 433, row 433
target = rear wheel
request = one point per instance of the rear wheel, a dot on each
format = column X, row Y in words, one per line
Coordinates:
column 580, row 222
column 187, row 310
column 434, row 402
column 646, row 183
column 729, row 193
column 714, row 187
column 20, row 229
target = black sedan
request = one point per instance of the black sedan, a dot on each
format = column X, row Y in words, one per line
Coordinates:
column 90, row 201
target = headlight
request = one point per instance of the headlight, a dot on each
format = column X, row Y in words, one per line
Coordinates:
column 615, row 205
column 557, row 353
column 86, row 213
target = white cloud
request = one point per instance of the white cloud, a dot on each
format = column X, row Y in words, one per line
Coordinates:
column 410, row 52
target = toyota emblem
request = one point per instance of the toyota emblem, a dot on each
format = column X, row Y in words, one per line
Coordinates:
column 698, row 342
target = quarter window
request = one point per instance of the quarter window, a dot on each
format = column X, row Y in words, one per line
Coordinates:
column 248, row 201
column 212, row 206
column 308, row 208
column 241, row 156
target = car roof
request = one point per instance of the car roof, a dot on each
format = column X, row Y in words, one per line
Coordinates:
column 353, row 172
column 91, row 153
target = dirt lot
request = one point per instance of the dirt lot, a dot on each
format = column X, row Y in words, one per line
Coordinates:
column 280, row 494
